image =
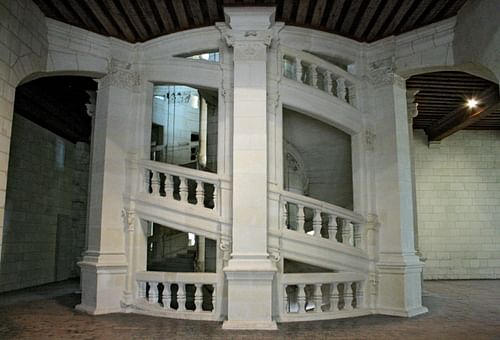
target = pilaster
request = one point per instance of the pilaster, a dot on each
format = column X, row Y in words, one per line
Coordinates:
column 249, row 272
column 104, row 266
column 398, row 268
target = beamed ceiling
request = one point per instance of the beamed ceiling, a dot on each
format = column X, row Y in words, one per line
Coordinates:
column 141, row 20
column 58, row 103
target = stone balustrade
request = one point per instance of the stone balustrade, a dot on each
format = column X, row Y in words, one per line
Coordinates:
column 173, row 182
column 179, row 295
column 322, row 296
column 311, row 70
column 322, row 220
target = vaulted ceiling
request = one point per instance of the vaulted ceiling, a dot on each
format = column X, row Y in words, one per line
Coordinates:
column 141, row 20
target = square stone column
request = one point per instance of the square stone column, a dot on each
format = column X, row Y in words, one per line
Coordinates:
column 398, row 267
column 249, row 272
column 104, row 266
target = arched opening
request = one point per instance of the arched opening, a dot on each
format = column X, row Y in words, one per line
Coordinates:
column 47, row 188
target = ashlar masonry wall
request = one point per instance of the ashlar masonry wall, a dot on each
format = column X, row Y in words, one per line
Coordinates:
column 458, row 204
column 46, row 207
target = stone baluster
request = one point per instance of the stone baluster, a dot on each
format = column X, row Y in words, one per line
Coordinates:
column 318, row 298
column 357, row 231
column 285, row 215
column 169, row 186
column 213, row 298
column 298, row 69
column 198, row 297
column 332, row 228
column 341, row 89
column 153, row 292
column 334, row 297
column 346, row 233
column 215, row 197
column 183, row 189
column 181, row 297
column 301, row 298
column 313, row 69
column 146, row 177
column 328, row 82
column 200, row 193
column 166, row 296
column 141, row 289
column 348, row 296
column 286, row 300
column 351, row 95
column 155, row 183
column 317, row 223
column 359, row 295
column 300, row 218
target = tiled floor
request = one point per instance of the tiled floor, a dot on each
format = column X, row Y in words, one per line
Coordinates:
column 457, row 310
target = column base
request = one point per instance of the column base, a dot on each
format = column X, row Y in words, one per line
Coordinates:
column 400, row 285
column 102, row 284
column 250, row 298
column 250, row 325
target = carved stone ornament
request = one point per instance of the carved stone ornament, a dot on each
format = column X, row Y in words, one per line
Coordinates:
column 274, row 255
column 381, row 72
column 225, row 247
column 374, row 284
column 120, row 74
column 370, row 139
column 129, row 219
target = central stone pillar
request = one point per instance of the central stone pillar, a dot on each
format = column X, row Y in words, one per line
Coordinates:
column 249, row 272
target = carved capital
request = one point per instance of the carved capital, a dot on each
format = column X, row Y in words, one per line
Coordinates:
column 274, row 254
column 412, row 106
column 381, row 72
column 121, row 75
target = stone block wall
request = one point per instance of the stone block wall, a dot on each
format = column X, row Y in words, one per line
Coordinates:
column 23, row 51
column 458, row 205
column 46, row 207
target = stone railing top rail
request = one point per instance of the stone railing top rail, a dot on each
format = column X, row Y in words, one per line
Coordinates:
column 181, row 171
column 319, row 62
column 313, row 203
column 203, row 278
column 314, row 278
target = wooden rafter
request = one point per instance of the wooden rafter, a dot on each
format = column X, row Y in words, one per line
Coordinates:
column 462, row 117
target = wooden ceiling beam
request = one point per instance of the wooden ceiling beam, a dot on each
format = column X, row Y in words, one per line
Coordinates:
column 166, row 18
column 368, row 16
column 287, row 10
column 213, row 13
column 319, row 9
column 103, row 19
column 352, row 14
column 134, row 19
column 180, row 13
column 149, row 17
column 334, row 16
column 464, row 117
column 196, row 12
column 413, row 18
column 384, row 15
column 120, row 20
column 80, row 12
column 302, row 12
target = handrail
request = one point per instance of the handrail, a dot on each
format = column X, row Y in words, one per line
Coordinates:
column 324, row 206
column 313, row 278
column 192, row 278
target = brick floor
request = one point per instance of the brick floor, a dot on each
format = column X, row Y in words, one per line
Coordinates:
column 457, row 310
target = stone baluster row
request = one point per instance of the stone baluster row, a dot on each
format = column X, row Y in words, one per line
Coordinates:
column 162, row 184
column 345, row 299
column 153, row 295
column 347, row 232
column 308, row 73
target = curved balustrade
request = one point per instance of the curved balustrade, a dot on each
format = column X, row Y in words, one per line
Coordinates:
column 179, row 295
column 174, row 182
column 323, row 220
column 322, row 296
column 320, row 74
